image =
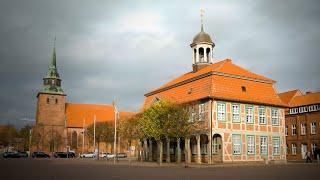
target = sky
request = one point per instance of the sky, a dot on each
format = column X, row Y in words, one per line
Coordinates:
column 123, row 49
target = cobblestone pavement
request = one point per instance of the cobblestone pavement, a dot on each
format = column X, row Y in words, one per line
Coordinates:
column 77, row 169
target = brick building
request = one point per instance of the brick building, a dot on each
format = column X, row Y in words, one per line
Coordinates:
column 239, row 115
column 302, row 123
column 61, row 125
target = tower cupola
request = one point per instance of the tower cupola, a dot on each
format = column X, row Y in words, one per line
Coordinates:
column 202, row 47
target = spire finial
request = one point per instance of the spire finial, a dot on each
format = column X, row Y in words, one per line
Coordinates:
column 201, row 16
column 53, row 63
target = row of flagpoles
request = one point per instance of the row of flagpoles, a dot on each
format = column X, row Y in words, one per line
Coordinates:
column 116, row 113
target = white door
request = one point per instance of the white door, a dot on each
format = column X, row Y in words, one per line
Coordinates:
column 303, row 151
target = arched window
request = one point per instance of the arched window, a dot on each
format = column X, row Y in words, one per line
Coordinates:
column 48, row 100
column 201, row 54
column 208, row 54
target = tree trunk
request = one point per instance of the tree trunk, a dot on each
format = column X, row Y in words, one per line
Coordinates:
column 145, row 149
column 98, row 150
column 150, row 150
column 160, row 150
column 168, row 151
column 179, row 151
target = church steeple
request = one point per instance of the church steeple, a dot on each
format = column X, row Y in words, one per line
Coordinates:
column 52, row 81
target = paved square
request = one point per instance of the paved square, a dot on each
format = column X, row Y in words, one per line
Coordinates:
column 23, row 169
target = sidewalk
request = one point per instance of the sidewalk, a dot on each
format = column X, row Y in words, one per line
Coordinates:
column 125, row 162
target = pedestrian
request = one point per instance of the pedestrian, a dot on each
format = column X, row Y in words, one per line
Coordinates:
column 308, row 157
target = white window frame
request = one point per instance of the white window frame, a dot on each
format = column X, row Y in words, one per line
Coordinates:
column 293, row 149
column 221, row 114
column 294, row 129
column 249, row 114
column 276, row 145
column 235, row 112
column 262, row 115
column 204, row 149
column 274, row 117
column 263, row 145
column 313, row 127
column 313, row 147
column 303, row 129
column 236, row 144
column 202, row 111
column 250, row 145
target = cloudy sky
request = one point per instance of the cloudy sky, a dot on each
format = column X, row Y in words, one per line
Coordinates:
column 123, row 49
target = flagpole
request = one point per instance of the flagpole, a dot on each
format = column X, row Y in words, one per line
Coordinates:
column 94, row 134
column 115, row 133
column 84, row 121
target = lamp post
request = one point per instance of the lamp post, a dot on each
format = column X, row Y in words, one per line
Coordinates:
column 30, row 136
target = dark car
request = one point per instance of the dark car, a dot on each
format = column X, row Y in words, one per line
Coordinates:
column 121, row 155
column 11, row 154
column 64, row 155
column 23, row 154
column 40, row 154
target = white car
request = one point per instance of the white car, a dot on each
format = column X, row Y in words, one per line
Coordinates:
column 109, row 155
column 103, row 155
column 88, row 155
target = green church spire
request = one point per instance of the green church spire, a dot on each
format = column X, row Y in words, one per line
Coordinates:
column 52, row 81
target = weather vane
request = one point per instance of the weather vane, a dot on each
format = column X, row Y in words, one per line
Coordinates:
column 201, row 15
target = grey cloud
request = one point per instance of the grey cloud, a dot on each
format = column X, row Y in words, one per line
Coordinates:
column 99, row 61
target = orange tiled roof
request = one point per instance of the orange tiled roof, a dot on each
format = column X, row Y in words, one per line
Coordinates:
column 286, row 97
column 306, row 99
column 221, row 80
column 77, row 112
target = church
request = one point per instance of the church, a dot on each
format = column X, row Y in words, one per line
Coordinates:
column 60, row 125
column 238, row 114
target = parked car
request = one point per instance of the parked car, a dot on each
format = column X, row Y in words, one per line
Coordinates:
column 103, row 155
column 121, row 155
column 64, row 155
column 23, row 154
column 88, row 155
column 11, row 154
column 109, row 156
column 39, row 154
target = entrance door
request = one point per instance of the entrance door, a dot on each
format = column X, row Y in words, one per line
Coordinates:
column 303, row 151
